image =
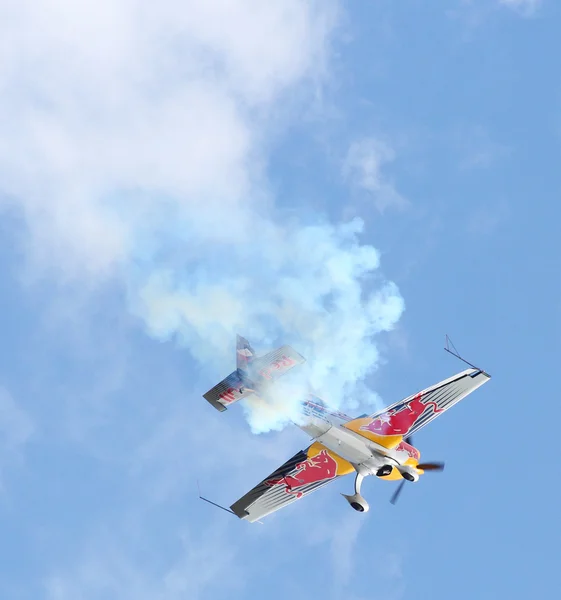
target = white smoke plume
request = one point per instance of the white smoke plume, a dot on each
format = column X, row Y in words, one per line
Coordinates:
column 134, row 142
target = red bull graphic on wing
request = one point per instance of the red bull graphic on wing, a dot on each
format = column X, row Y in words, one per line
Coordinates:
column 320, row 467
column 284, row 362
column 400, row 419
column 228, row 396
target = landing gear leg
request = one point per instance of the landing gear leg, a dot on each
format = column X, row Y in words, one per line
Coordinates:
column 358, row 482
column 356, row 500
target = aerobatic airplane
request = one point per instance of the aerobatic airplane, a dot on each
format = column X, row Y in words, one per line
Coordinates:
column 379, row 444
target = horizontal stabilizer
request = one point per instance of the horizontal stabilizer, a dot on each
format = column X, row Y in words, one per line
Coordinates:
column 228, row 391
column 274, row 364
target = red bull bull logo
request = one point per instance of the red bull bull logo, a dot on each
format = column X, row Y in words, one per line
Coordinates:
column 411, row 451
column 284, row 362
column 320, row 467
column 399, row 420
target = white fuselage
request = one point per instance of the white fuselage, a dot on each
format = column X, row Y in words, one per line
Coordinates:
column 366, row 456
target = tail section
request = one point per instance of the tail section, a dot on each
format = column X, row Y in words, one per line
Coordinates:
column 253, row 374
column 244, row 354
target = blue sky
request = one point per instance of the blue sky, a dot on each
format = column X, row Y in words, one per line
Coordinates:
column 170, row 175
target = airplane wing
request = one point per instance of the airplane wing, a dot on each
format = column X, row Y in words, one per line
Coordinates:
column 406, row 417
column 304, row 473
column 272, row 365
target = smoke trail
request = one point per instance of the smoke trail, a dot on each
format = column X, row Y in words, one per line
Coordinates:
column 312, row 285
column 135, row 143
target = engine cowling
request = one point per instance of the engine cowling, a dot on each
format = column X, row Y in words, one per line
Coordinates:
column 408, row 473
column 384, row 471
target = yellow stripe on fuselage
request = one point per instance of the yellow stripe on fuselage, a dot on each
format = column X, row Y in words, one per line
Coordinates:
column 343, row 466
column 387, row 441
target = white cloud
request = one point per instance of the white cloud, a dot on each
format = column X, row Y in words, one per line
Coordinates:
column 363, row 167
column 134, row 143
column 119, row 95
column 524, row 7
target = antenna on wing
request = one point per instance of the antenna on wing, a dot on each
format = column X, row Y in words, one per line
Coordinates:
column 455, row 353
column 214, row 503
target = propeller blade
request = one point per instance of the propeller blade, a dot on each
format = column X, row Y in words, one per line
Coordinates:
column 397, row 492
column 435, row 466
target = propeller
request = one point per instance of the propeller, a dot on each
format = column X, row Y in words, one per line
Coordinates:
column 397, row 492
column 434, row 466
column 430, row 466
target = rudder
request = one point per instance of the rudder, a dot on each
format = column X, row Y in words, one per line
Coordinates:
column 244, row 354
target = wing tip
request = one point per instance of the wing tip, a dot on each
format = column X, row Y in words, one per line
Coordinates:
column 239, row 508
column 213, row 402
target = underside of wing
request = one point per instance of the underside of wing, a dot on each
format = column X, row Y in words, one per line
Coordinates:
column 227, row 392
column 304, row 473
column 389, row 426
